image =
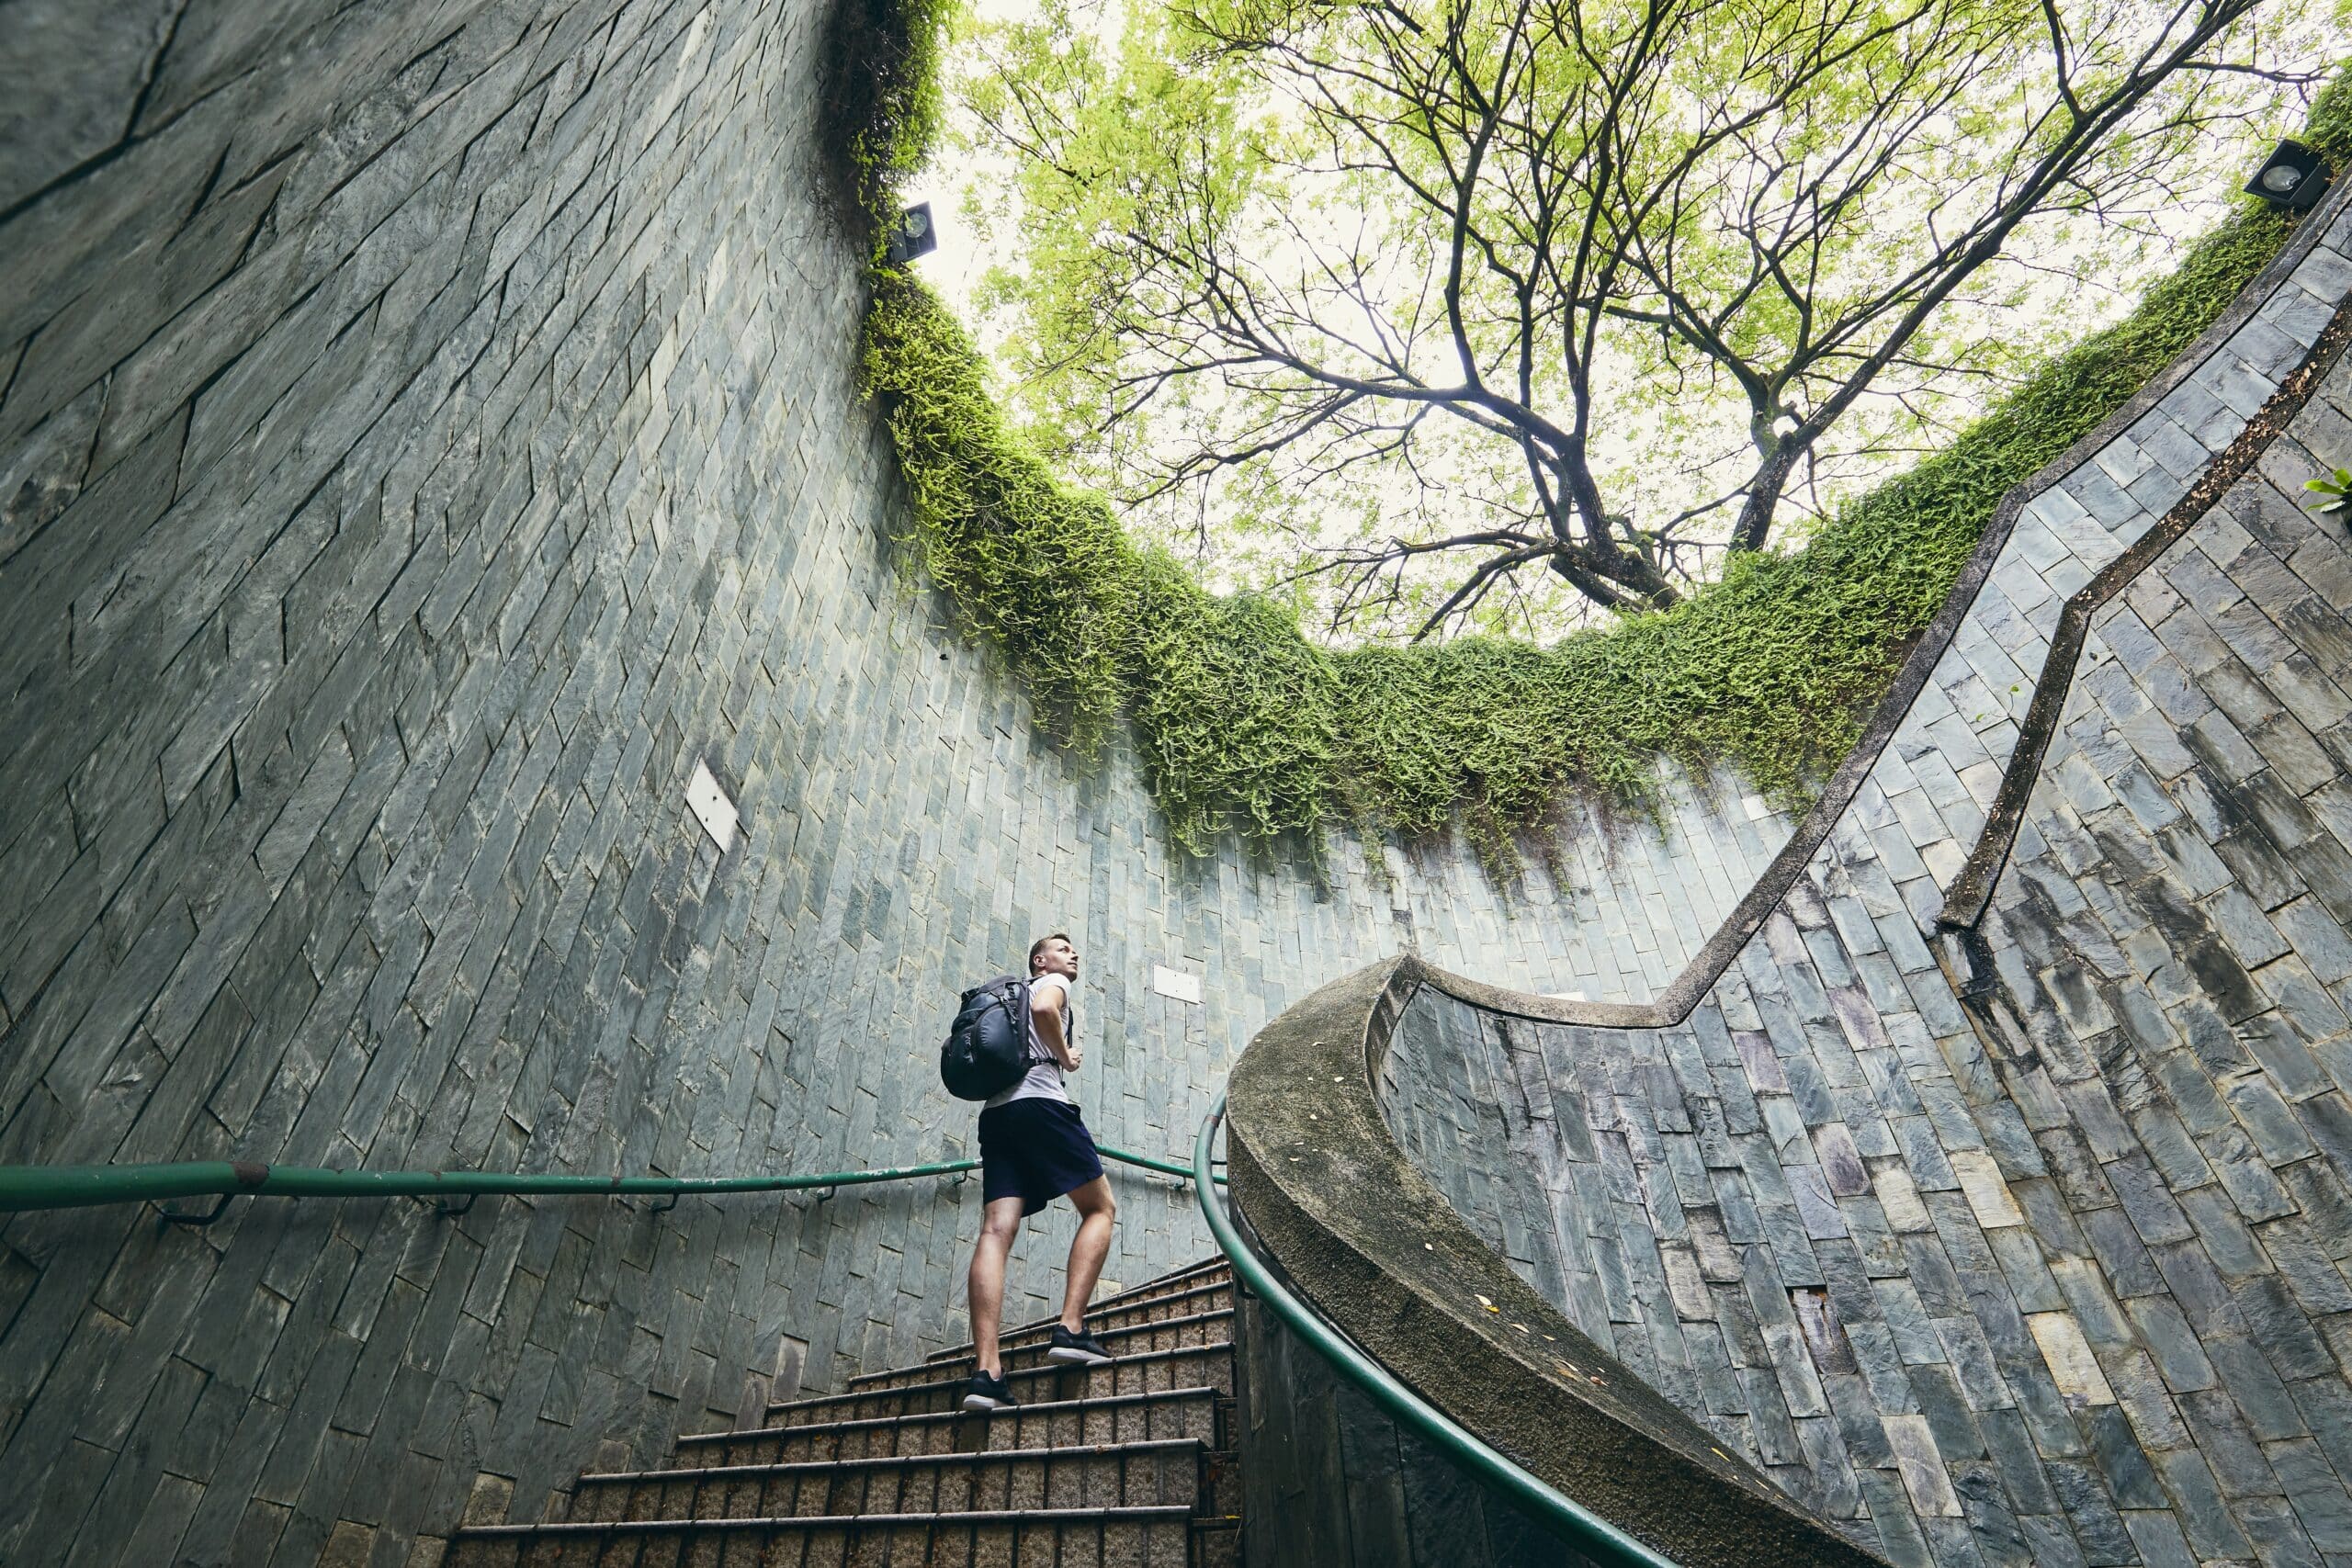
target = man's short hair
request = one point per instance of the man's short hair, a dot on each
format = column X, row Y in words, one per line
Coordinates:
column 1038, row 946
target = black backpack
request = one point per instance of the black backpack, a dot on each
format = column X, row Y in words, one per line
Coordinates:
column 988, row 1045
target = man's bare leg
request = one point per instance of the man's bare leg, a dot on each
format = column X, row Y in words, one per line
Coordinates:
column 1000, row 1222
column 1097, row 1212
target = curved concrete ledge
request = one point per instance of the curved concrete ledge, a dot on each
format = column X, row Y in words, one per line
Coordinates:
column 1971, row 892
column 1363, row 1236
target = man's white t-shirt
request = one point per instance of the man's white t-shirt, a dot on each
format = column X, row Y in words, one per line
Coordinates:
column 1044, row 1079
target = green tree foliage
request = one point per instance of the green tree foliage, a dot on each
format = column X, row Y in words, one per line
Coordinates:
column 1461, row 298
column 1246, row 725
column 1234, row 710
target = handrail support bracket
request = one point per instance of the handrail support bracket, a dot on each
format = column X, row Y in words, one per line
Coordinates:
column 196, row 1222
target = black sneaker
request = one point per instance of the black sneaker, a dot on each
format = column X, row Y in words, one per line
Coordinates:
column 1077, row 1350
column 985, row 1394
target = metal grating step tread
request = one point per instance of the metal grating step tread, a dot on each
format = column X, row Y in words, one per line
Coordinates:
column 971, row 1456
column 1037, row 1346
column 1142, row 1364
column 1151, row 1537
column 1214, row 1265
column 1169, row 1473
column 1212, row 1272
column 1098, row 1316
column 1215, row 1270
column 1100, row 1402
column 1172, row 1512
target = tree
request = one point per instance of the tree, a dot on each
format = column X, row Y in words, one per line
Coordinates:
column 1411, row 257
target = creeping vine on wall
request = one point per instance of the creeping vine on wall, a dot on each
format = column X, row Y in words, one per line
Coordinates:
column 881, row 94
column 1246, row 725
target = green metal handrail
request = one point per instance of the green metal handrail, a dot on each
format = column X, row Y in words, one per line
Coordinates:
column 1586, row 1530
column 25, row 1187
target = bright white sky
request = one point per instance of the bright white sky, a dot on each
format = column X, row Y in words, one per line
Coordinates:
column 2056, row 305
column 956, row 268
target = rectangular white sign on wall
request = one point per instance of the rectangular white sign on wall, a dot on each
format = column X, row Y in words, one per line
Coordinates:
column 1175, row 983
column 712, row 808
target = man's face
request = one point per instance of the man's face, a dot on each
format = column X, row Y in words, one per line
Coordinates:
column 1058, row 957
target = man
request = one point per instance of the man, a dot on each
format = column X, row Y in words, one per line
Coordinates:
column 1033, row 1149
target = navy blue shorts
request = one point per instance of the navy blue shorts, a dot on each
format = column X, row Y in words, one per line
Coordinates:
column 1034, row 1150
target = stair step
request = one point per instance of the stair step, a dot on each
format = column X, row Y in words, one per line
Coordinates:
column 1127, row 1339
column 1217, row 1543
column 1161, row 1413
column 1214, row 1296
column 1167, row 1473
column 1127, row 1465
column 1033, row 1538
column 1188, row 1366
column 1215, row 1271
column 1175, row 1279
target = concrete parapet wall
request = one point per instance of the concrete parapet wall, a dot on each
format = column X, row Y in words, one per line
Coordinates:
column 1330, row 1478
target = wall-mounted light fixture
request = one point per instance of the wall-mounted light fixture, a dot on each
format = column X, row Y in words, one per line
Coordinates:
column 2294, row 177
column 913, row 235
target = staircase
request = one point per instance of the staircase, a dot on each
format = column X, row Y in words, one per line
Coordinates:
column 1129, row 1465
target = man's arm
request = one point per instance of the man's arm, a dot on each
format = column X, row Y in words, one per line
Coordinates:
column 1045, row 1013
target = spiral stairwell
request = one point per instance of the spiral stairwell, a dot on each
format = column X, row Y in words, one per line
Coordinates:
column 1130, row 1465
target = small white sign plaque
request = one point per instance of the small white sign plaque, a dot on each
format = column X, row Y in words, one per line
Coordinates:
column 712, row 808
column 1175, row 983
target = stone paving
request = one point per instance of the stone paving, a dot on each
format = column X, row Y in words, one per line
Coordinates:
column 426, row 432
column 2028, row 1247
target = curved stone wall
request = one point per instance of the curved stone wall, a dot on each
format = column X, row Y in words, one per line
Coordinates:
column 1992, row 1196
column 426, row 434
